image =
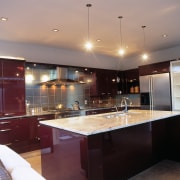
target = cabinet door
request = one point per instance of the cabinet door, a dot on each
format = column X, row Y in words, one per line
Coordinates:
column 13, row 68
column 13, row 87
column 5, row 132
column 13, row 97
column 45, row 133
column 106, row 82
column 131, row 81
column 156, row 68
column 112, row 83
column 20, row 135
column 1, row 110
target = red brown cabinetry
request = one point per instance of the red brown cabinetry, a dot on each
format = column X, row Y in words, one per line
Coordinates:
column 106, row 82
column 5, row 132
column 12, row 88
column 131, row 81
column 156, row 68
column 14, row 133
column 22, row 134
column 34, row 131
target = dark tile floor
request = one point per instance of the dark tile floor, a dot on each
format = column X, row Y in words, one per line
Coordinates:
column 164, row 170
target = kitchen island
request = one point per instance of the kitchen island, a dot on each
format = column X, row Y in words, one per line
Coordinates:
column 107, row 146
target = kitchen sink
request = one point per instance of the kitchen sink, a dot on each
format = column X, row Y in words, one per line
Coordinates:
column 120, row 114
column 109, row 116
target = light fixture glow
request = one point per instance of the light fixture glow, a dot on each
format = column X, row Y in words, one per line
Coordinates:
column 4, row 19
column 145, row 56
column 88, row 44
column 164, row 35
column 44, row 78
column 121, row 51
column 55, row 30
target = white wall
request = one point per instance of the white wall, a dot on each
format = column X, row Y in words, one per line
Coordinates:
column 54, row 55
column 157, row 56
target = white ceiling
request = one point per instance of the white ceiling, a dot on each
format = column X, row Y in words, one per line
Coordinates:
column 32, row 21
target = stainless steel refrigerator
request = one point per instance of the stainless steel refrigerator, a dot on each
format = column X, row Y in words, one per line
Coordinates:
column 155, row 92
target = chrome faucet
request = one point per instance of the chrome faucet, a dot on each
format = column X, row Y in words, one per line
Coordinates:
column 125, row 104
column 116, row 108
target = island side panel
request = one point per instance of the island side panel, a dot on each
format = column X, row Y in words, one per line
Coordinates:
column 119, row 154
column 62, row 159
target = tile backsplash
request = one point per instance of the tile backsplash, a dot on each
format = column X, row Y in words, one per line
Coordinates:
column 48, row 97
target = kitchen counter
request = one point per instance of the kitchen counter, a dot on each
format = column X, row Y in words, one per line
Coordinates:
column 107, row 146
column 94, row 124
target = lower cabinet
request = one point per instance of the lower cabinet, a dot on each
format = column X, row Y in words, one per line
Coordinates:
column 22, row 134
column 6, row 132
column 34, row 130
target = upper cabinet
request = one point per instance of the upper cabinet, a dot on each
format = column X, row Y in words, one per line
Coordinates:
column 12, row 84
column 156, row 68
column 98, row 82
column 106, row 82
column 131, row 81
column 128, row 81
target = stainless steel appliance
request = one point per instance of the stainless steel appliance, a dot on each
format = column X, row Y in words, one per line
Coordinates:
column 155, row 92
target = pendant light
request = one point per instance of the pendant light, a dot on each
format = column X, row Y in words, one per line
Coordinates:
column 88, row 44
column 144, row 55
column 121, row 51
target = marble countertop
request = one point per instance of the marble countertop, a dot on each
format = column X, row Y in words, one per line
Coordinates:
column 94, row 124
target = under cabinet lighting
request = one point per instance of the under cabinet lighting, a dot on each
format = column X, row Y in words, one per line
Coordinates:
column 12, row 57
column 29, row 78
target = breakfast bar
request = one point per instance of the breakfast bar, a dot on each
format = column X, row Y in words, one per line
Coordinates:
column 108, row 146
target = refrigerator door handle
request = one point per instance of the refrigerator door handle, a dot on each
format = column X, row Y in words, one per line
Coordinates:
column 150, row 94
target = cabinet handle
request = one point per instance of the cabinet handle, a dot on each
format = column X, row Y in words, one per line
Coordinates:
column 5, row 130
column 8, row 122
column 8, row 144
column 9, row 114
column 40, row 119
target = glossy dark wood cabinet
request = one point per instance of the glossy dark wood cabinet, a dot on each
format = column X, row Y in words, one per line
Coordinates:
column 1, row 90
column 156, row 68
column 117, row 154
column 128, row 81
column 22, row 134
column 131, row 81
column 106, row 82
column 12, row 84
column 6, row 132
column 14, row 133
column 34, row 130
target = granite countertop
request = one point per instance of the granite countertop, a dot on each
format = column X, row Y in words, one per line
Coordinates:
column 27, row 115
column 94, row 124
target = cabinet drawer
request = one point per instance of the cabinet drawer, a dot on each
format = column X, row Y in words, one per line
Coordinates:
column 5, row 125
column 5, row 132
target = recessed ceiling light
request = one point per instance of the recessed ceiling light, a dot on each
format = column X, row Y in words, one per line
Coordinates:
column 55, row 30
column 164, row 35
column 4, row 19
column 98, row 40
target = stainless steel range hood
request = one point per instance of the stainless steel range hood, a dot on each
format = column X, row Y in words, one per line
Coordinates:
column 62, row 78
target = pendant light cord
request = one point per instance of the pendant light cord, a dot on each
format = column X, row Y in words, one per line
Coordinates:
column 88, row 5
column 120, row 30
column 144, row 37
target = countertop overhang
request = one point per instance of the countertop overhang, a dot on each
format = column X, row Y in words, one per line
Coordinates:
column 94, row 124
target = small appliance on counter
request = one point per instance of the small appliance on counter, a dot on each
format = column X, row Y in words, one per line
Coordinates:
column 76, row 105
